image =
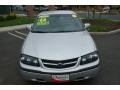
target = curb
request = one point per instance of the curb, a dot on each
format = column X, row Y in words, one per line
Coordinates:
column 19, row 27
column 11, row 28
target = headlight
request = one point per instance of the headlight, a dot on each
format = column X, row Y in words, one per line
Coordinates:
column 89, row 58
column 29, row 60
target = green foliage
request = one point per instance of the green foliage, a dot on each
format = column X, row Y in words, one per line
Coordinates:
column 11, row 17
column 95, row 28
column 17, row 21
column 102, row 25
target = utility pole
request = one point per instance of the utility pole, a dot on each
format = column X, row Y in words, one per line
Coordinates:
column 10, row 9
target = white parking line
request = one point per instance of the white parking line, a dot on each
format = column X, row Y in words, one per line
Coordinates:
column 15, row 35
column 21, row 33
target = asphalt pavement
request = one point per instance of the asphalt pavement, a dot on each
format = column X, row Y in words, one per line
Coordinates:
column 108, row 46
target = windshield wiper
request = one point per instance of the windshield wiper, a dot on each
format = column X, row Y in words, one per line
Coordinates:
column 38, row 32
column 54, row 32
column 65, row 31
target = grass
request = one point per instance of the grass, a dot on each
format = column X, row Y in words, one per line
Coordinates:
column 102, row 25
column 97, row 25
column 95, row 28
column 17, row 21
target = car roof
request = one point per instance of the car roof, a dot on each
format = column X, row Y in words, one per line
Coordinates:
column 57, row 12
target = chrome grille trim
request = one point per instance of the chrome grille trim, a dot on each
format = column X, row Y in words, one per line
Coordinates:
column 49, row 63
column 63, row 63
column 59, row 64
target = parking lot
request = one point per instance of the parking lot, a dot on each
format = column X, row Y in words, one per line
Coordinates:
column 109, row 50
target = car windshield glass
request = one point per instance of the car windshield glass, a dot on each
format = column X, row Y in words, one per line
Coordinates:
column 57, row 23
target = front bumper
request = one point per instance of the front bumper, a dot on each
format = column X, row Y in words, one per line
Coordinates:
column 47, row 77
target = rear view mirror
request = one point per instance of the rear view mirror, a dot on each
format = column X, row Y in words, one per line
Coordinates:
column 87, row 25
column 29, row 27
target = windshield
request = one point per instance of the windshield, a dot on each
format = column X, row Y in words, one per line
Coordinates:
column 57, row 23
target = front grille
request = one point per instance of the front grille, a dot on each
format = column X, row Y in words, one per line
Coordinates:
column 60, row 64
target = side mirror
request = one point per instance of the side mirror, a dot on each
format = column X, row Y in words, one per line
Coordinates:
column 29, row 27
column 87, row 25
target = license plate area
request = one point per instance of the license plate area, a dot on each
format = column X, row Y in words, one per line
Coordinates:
column 64, row 77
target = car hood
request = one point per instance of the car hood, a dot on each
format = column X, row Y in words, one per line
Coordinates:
column 58, row 46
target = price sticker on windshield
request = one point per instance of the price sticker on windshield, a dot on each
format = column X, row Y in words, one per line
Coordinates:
column 43, row 20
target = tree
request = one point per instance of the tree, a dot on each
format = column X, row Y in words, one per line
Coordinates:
column 29, row 10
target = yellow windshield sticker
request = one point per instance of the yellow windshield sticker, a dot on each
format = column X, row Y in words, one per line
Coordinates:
column 43, row 20
column 74, row 15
